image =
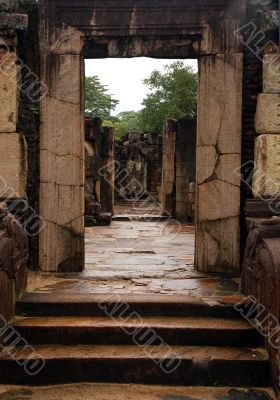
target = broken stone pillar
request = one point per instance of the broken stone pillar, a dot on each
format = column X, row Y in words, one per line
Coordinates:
column 107, row 171
column 168, row 168
column 218, row 162
column 266, row 179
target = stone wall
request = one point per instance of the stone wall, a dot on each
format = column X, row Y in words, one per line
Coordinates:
column 13, row 150
column 261, row 172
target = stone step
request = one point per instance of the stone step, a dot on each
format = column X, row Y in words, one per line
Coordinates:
column 178, row 366
column 88, row 304
column 116, row 330
column 91, row 391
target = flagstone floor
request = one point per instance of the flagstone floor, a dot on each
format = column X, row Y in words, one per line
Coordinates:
column 135, row 258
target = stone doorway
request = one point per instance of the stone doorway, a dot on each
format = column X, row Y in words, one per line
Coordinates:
column 82, row 30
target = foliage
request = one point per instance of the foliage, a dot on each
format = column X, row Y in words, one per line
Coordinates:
column 99, row 103
column 173, row 95
column 128, row 122
column 123, row 123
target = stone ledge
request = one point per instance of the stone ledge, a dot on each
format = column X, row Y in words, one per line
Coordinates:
column 13, row 21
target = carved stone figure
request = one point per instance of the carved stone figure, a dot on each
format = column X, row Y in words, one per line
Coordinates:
column 13, row 248
column 261, row 281
column 136, row 166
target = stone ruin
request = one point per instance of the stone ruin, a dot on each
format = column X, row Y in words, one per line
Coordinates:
column 138, row 160
column 42, row 149
column 99, row 154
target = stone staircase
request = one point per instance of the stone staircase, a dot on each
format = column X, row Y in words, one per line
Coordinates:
column 152, row 340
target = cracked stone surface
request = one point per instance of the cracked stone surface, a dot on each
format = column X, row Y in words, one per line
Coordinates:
column 219, row 148
column 139, row 258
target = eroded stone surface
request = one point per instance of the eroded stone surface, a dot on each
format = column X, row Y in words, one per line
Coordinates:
column 218, row 246
column 206, row 162
column 219, row 113
column 9, row 91
column 268, row 113
column 271, row 73
column 62, row 166
column 218, row 200
column 219, row 148
column 13, row 165
column 266, row 180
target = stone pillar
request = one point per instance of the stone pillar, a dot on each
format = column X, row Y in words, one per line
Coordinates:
column 62, row 157
column 13, row 150
column 107, row 184
column 168, row 168
column 185, row 168
column 218, row 163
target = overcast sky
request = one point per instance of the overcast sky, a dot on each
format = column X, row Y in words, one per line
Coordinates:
column 124, row 78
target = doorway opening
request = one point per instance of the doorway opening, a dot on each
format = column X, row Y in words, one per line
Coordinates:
column 140, row 145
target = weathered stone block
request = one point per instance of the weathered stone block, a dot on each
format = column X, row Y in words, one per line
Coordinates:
column 220, row 102
column 60, row 67
column 228, row 167
column 13, row 165
column 217, row 246
column 266, row 180
column 218, row 200
column 63, row 170
column 9, row 92
column 271, row 73
column 206, row 161
column 65, row 200
column 268, row 113
column 62, row 121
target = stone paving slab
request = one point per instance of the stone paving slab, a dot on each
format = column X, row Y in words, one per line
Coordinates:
column 138, row 258
column 131, row 392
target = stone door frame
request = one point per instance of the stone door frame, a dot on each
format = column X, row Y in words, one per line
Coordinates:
column 73, row 30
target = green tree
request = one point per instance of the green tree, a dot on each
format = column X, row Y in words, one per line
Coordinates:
column 129, row 121
column 173, row 95
column 99, row 103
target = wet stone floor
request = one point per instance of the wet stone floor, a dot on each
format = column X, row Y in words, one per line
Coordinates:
column 133, row 257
